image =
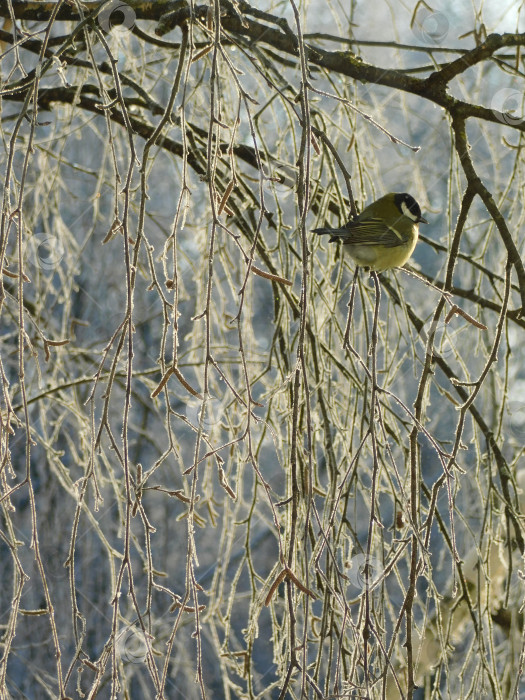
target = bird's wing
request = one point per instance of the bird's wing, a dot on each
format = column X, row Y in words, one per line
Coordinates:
column 370, row 232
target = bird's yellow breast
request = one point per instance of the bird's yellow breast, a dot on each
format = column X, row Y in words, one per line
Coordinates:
column 379, row 257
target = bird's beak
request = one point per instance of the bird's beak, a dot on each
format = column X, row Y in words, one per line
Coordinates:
column 422, row 220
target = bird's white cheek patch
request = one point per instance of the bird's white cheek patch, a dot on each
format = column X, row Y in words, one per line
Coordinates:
column 406, row 211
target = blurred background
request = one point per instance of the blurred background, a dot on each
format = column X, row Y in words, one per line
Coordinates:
column 230, row 468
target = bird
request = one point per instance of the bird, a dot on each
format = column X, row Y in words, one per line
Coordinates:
column 383, row 235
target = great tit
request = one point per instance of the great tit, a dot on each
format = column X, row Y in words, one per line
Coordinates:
column 384, row 234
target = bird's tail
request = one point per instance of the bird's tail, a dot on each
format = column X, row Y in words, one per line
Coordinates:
column 335, row 233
